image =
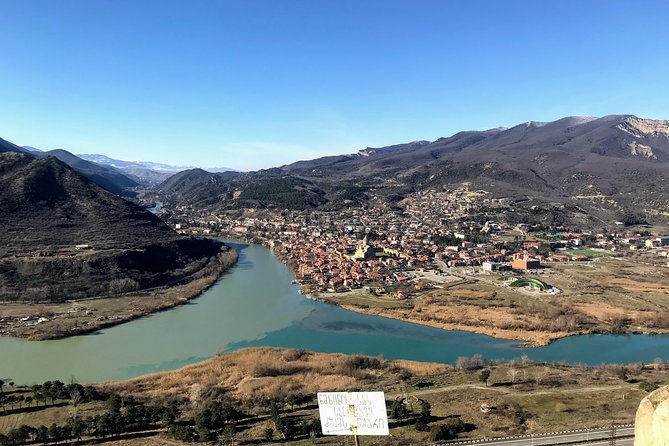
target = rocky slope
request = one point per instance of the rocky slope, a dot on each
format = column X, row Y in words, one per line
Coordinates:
column 651, row 427
column 47, row 209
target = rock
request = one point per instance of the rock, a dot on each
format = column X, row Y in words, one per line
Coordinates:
column 652, row 419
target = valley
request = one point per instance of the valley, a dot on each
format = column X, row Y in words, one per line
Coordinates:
column 66, row 240
column 480, row 267
column 234, row 223
column 449, row 259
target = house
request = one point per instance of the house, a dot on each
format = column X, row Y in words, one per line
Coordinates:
column 526, row 263
column 490, row 266
column 559, row 258
column 657, row 242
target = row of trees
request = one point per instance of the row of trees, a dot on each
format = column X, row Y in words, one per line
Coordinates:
column 43, row 393
column 217, row 418
column 218, row 422
column 121, row 415
column 212, row 422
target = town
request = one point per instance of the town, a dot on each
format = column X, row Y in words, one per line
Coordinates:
column 438, row 232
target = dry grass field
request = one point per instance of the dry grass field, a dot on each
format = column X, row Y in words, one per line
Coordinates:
column 607, row 294
column 525, row 397
column 266, row 372
column 47, row 415
column 529, row 398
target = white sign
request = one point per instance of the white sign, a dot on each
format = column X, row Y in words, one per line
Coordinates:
column 353, row 413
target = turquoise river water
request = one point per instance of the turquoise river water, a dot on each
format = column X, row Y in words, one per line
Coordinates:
column 254, row 304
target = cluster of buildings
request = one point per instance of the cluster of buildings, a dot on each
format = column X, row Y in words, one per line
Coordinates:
column 378, row 247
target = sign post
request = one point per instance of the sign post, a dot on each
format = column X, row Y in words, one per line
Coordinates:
column 353, row 413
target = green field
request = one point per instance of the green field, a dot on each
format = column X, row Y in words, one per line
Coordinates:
column 587, row 252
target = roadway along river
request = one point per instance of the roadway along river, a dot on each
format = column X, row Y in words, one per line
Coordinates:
column 255, row 305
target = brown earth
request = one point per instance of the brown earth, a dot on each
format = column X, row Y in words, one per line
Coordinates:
column 467, row 318
column 603, row 295
column 84, row 316
column 481, row 318
column 553, row 397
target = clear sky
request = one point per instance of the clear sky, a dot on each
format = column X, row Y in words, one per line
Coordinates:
column 252, row 84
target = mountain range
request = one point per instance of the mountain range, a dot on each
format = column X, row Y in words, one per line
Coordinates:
column 107, row 177
column 602, row 168
column 117, row 176
column 146, row 172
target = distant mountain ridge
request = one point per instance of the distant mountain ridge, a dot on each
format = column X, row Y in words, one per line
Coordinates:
column 6, row 146
column 30, row 149
column 109, row 178
column 146, row 171
column 114, row 180
column 623, row 158
column 120, row 164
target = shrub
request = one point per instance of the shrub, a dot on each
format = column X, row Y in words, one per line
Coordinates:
column 484, row 376
column 648, row 387
column 296, row 355
column 422, row 426
column 465, row 363
column 364, row 362
column 263, row 370
column 660, row 320
column 398, row 410
column 354, row 365
column 125, row 285
column 448, row 430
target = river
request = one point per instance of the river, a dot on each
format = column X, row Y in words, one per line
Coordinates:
column 254, row 304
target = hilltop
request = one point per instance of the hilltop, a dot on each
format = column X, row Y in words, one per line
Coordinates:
column 108, row 177
column 65, row 237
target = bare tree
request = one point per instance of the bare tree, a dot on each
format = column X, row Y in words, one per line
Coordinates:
column 75, row 397
column 657, row 363
column 513, row 374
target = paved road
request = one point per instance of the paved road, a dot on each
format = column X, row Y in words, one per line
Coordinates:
column 603, row 435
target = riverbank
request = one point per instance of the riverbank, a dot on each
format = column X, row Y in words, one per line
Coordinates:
column 502, row 319
column 469, row 318
column 446, row 317
column 605, row 296
column 44, row 321
column 479, row 303
column 511, row 398
column 525, row 397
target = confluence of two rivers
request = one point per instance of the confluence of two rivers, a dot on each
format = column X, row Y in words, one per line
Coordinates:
column 254, row 304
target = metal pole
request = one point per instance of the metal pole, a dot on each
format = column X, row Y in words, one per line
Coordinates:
column 353, row 421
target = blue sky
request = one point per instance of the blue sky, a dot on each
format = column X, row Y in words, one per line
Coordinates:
column 252, row 84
